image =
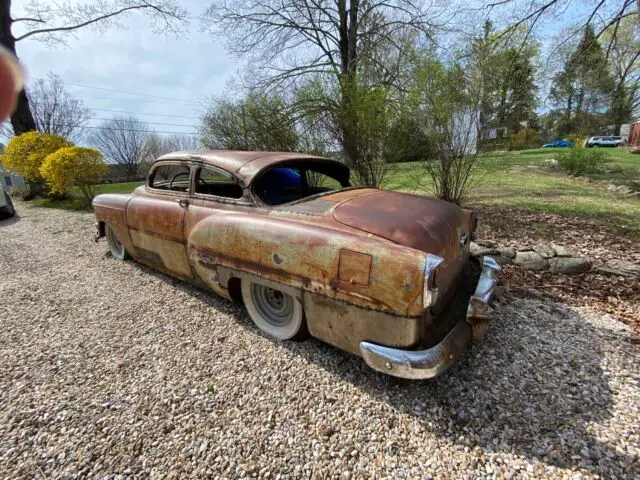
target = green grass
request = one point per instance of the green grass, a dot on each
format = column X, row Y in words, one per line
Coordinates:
column 77, row 203
column 118, row 187
column 509, row 180
column 519, row 180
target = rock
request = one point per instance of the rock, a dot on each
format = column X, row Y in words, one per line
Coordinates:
column 624, row 268
column 569, row 265
column 528, row 260
column 502, row 260
column 563, row 251
column 545, row 250
column 480, row 251
column 508, row 252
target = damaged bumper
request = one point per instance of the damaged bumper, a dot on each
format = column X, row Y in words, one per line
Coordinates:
column 421, row 364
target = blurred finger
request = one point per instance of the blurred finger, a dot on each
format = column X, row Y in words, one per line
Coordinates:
column 11, row 82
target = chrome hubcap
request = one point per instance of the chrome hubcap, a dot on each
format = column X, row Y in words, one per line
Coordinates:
column 273, row 305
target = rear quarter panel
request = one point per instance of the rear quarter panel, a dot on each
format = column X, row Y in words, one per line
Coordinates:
column 357, row 269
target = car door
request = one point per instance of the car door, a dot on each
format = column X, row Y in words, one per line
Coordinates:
column 215, row 192
column 156, row 219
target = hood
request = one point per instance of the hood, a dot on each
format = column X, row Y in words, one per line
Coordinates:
column 426, row 224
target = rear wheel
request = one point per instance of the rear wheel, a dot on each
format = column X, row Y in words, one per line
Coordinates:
column 115, row 245
column 274, row 311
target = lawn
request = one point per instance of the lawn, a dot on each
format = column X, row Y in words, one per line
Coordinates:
column 520, row 180
column 76, row 203
column 511, row 180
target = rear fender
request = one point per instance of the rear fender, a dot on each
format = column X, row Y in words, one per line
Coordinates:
column 357, row 269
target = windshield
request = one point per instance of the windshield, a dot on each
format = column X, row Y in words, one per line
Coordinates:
column 293, row 181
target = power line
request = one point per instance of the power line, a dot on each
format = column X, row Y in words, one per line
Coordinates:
column 145, row 114
column 80, row 127
column 124, row 92
column 149, row 123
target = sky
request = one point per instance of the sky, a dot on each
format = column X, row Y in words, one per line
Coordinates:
column 99, row 68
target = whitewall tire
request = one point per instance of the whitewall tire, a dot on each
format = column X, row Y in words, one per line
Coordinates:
column 274, row 311
column 115, row 245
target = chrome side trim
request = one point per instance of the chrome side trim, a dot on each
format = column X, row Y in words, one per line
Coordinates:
column 429, row 363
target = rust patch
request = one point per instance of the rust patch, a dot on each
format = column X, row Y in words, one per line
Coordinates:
column 354, row 267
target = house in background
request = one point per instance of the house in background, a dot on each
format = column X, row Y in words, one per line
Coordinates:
column 8, row 178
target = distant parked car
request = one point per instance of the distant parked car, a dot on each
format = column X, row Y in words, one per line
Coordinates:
column 558, row 144
column 604, row 142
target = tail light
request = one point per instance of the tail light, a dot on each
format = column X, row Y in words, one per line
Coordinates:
column 430, row 290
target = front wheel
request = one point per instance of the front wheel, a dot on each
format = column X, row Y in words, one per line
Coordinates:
column 115, row 245
column 274, row 312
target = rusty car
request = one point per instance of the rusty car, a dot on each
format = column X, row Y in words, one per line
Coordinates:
column 384, row 275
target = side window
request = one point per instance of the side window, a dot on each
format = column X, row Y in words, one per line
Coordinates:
column 210, row 181
column 171, row 177
column 8, row 182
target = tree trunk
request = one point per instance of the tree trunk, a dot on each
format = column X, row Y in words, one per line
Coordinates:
column 22, row 119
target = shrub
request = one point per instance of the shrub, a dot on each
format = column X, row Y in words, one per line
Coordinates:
column 524, row 139
column 581, row 161
column 25, row 153
column 74, row 167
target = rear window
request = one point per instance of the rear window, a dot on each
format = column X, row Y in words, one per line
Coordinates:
column 299, row 179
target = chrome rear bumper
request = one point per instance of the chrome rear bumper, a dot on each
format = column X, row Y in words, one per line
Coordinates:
column 421, row 364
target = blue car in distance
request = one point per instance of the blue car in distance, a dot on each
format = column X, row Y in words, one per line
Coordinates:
column 558, row 144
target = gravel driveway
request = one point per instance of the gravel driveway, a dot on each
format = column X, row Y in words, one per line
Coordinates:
column 110, row 369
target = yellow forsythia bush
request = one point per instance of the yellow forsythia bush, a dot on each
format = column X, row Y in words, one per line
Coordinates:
column 25, row 153
column 74, row 167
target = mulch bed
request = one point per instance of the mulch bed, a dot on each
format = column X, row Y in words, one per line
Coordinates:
column 610, row 294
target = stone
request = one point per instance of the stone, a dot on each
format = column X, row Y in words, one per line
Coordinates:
column 480, row 251
column 562, row 251
column 569, row 265
column 508, row 252
column 502, row 260
column 528, row 260
column 545, row 250
column 624, row 268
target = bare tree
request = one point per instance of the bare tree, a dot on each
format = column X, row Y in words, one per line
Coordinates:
column 123, row 141
column 158, row 145
column 55, row 110
column 54, row 22
column 352, row 44
column 598, row 14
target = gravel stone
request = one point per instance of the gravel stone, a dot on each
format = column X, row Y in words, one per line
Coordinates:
column 621, row 267
column 112, row 370
column 529, row 260
column 508, row 252
column 569, row 265
column 480, row 250
column 545, row 250
column 562, row 251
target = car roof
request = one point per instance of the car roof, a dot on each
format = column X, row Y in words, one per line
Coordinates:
column 244, row 165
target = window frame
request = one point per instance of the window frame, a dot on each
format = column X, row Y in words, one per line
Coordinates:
column 164, row 163
column 245, row 200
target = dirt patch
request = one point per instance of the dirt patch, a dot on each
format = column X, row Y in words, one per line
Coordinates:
column 596, row 240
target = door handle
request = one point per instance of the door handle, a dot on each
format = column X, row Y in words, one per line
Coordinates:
column 183, row 202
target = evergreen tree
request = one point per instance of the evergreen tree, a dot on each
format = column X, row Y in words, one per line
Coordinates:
column 582, row 90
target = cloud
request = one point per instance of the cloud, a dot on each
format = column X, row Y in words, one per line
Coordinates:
column 184, row 70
